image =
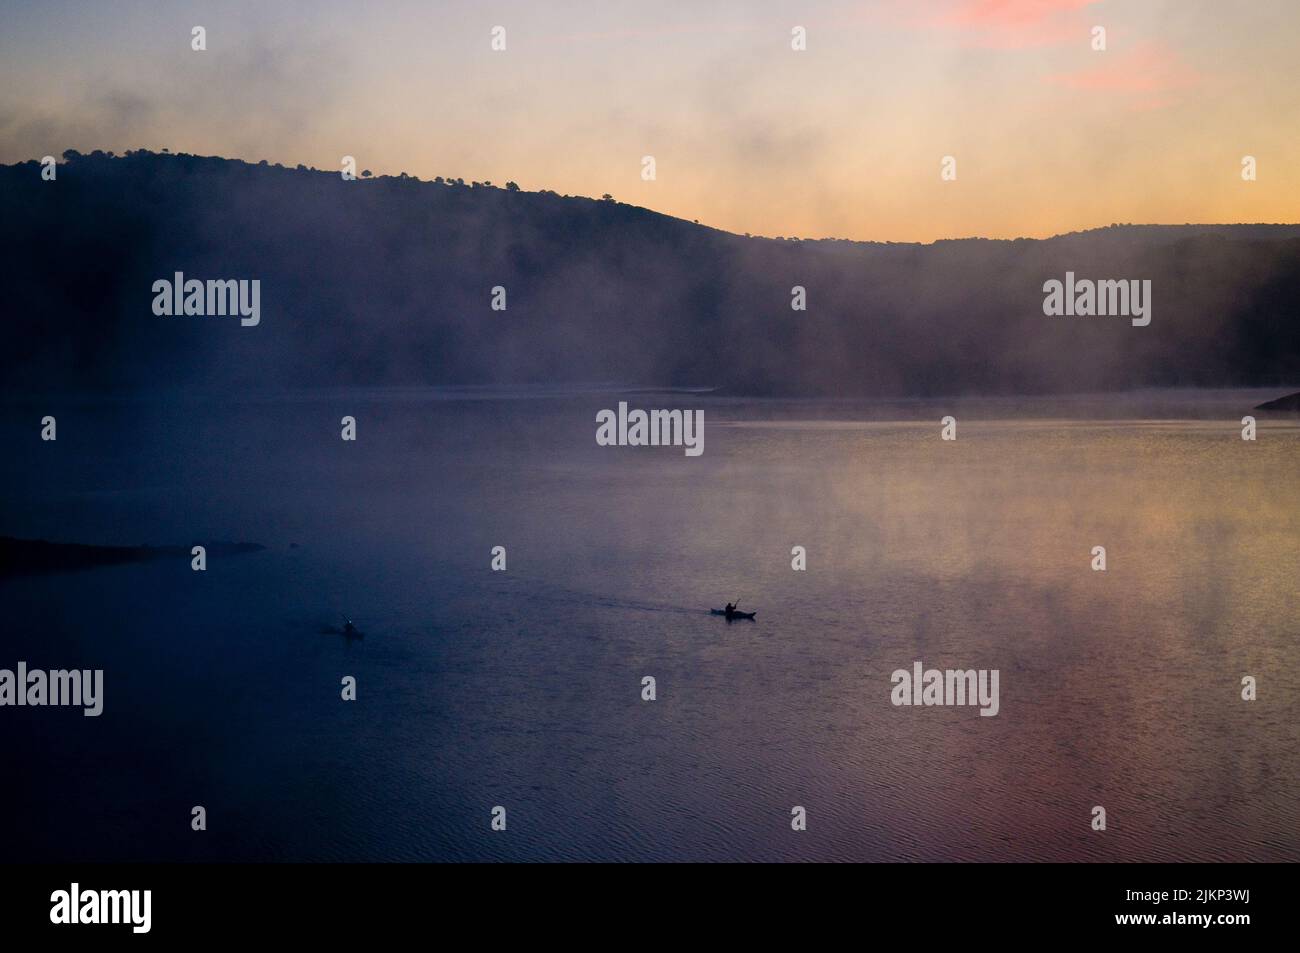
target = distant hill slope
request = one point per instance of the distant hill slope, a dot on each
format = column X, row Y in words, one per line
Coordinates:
column 388, row 281
column 1289, row 404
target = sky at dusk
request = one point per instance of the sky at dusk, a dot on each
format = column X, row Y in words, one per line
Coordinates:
column 844, row 139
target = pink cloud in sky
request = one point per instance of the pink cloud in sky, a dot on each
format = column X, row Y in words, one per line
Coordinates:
column 996, row 13
column 1146, row 76
column 1004, row 24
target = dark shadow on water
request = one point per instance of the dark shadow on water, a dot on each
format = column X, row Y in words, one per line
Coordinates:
column 351, row 635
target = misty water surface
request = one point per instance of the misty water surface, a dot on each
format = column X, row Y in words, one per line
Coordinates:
column 522, row 688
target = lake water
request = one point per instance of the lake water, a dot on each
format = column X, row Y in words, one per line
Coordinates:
column 523, row 688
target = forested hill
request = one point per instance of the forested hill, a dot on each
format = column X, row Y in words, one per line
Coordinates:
column 390, row 280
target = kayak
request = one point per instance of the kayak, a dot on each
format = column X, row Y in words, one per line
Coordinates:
column 733, row 615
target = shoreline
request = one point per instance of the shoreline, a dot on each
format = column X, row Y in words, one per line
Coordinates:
column 27, row 557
